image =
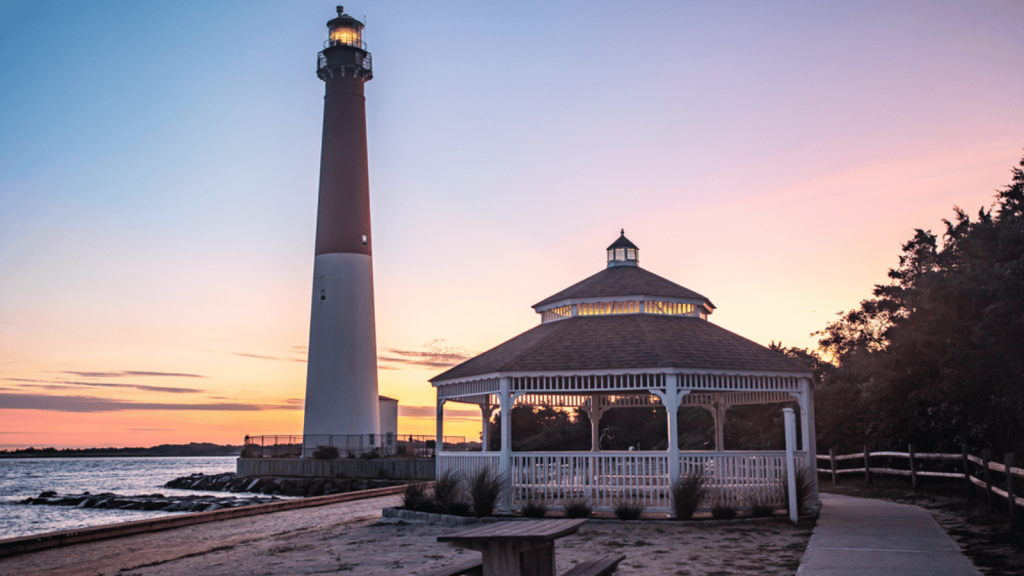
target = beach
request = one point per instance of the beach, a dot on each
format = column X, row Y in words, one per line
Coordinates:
column 348, row 537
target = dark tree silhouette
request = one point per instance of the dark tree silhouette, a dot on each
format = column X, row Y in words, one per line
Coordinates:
column 936, row 358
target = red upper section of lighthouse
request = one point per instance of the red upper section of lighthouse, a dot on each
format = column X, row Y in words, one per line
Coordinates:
column 343, row 212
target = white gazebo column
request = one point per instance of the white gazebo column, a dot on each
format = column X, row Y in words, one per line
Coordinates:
column 805, row 421
column 719, row 412
column 790, row 429
column 486, row 411
column 812, row 444
column 671, row 401
column 594, row 413
column 439, row 438
column 505, row 459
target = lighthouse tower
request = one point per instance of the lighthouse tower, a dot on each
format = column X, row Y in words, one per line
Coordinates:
column 341, row 377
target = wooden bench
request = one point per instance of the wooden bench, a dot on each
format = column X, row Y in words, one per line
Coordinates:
column 597, row 566
column 468, row 568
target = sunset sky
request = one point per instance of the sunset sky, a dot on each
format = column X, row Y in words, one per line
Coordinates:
column 159, row 166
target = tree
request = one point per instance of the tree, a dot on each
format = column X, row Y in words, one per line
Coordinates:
column 936, row 357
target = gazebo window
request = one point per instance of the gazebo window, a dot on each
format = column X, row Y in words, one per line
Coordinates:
column 671, row 308
column 625, row 307
column 556, row 313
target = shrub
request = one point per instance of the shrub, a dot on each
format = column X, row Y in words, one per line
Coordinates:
column 252, row 451
column 629, row 510
column 687, row 494
column 415, row 497
column 458, row 508
column 760, row 505
column 446, row 491
column 723, row 512
column 326, row 453
column 484, row 489
column 578, row 509
column 372, row 454
column 535, row 509
column 804, row 481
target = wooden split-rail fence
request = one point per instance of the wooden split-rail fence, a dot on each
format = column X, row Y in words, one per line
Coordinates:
column 1001, row 485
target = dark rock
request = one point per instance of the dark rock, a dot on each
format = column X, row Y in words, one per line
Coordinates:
column 47, row 494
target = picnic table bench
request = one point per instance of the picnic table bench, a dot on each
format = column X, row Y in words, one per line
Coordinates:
column 525, row 548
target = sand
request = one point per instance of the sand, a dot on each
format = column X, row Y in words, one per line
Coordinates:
column 348, row 538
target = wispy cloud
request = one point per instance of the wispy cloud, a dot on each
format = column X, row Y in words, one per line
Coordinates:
column 72, row 384
column 130, row 373
column 435, row 354
column 265, row 357
column 429, row 412
column 93, row 404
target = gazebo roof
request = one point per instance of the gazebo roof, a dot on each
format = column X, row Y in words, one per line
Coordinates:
column 617, row 281
column 627, row 341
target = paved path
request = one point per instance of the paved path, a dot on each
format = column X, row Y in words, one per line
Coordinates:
column 872, row 537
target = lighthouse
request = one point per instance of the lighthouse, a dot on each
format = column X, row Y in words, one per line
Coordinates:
column 341, row 376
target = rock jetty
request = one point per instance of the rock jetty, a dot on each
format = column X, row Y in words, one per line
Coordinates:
column 159, row 502
column 278, row 485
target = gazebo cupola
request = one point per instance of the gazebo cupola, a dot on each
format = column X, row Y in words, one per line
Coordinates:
column 622, row 252
column 623, row 287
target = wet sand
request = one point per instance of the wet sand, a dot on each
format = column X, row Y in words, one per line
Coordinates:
column 347, row 537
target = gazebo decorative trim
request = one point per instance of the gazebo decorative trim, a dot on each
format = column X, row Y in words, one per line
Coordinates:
column 620, row 356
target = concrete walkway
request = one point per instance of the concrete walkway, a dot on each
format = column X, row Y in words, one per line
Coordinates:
column 872, row 537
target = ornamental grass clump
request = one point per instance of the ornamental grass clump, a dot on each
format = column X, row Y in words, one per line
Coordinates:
column 484, row 488
column 761, row 507
column 446, row 492
column 723, row 512
column 578, row 509
column 535, row 509
column 804, row 482
column 687, row 495
column 415, row 498
column 630, row 509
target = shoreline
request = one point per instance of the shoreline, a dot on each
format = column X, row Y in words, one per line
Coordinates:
column 48, row 540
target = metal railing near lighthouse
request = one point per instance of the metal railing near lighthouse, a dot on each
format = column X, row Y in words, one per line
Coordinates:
column 349, row 445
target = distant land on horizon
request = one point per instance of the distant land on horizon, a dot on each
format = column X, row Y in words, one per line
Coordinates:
column 191, row 449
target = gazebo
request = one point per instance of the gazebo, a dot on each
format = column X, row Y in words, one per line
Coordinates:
column 626, row 337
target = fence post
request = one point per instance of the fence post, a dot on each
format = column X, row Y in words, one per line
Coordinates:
column 832, row 461
column 985, row 457
column 913, row 471
column 867, row 466
column 969, row 491
column 1008, row 461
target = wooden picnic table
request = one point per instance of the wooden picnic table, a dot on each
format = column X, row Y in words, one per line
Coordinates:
column 519, row 548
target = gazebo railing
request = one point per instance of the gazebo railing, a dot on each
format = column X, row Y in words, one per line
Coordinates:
column 737, row 479
column 601, row 478
column 740, row 479
column 466, row 464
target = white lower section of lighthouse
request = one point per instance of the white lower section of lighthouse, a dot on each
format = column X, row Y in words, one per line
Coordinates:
column 341, row 377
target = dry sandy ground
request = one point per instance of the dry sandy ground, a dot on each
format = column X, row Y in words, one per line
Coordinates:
column 347, row 538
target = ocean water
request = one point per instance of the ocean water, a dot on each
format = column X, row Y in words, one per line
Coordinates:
column 24, row 478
